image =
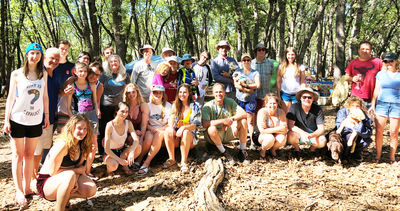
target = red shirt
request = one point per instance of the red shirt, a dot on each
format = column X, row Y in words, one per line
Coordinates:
column 368, row 69
column 171, row 91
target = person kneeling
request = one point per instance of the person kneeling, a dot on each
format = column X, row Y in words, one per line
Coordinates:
column 62, row 176
column 224, row 120
column 306, row 121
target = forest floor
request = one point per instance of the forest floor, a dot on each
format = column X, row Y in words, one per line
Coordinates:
column 311, row 181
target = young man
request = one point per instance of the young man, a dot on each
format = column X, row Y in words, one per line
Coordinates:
column 361, row 72
column 224, row 120
column 107, row 51
column 306, row 121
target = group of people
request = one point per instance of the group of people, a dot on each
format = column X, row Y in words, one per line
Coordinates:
column 127, row 118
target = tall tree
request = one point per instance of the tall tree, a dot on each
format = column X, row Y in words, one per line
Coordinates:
column 340, row 40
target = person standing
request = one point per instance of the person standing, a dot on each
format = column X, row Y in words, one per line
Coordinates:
column 265, row 68
column 361, row 73
column 24, row 116
column 107, row 51
column 222, row 68
column 203, row 75
column 143, row 72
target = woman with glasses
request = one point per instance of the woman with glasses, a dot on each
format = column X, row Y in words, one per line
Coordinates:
column 386, row 104
column 290, row 77
column 246, row 81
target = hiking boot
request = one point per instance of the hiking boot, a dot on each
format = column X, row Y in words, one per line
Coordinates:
column 243, row 155
column 228, row 158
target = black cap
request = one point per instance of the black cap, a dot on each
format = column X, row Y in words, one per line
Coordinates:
column 390, row 57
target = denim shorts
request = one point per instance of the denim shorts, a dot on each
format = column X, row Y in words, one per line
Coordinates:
column 391, row 110
column 288, row 97
column 249, row 107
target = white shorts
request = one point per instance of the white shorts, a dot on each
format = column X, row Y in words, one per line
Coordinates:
column 45, row 140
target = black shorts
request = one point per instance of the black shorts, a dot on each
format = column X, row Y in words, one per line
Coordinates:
column 118, row 152
column 28, row 131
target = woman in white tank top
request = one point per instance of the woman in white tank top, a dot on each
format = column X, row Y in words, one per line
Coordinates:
column 24, row 116
column 271, row 121
column 118, row 152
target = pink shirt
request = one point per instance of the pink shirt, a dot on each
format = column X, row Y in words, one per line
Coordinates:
column 368, row 69
column 158, row 80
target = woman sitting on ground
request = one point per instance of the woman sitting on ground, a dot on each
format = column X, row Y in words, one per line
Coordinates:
column 182, row 125
column 271, row 121
column 363, row 128
column 62, row 176
column 138, row 113
column 158, row 119
column 117, row 150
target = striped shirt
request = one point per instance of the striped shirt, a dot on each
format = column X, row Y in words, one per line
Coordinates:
column 265, row 68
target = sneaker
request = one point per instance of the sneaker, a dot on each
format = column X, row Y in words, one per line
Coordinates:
column 228, row 158
column 243, row 155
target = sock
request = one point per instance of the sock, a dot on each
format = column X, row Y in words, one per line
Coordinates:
column 221, row 148
column 243, row 146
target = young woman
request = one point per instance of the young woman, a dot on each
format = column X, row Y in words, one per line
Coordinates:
column 161, row 75
column 385, row 104
column 158, row 119
column 246, row 94
column 363, row 128
column 117, row 150
column 173, row 76
column 183, row 122
column 271, row 121
column 138, row 114
column 84, row 102
column 289, row 79
column 95, row 70
column 62, row 176
column 114, row 80
column 23, row 117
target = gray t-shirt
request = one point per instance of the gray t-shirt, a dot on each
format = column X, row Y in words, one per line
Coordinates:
column 113, row 90
column 142, row 75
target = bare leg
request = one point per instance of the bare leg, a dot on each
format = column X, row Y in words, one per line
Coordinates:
column 380, row 127
column 394, row 139
column 293, row 139
column 266, row 141
column 287, row 105
column 36, row 163
column 242, row 130
column 280, row 141
column 214, row 135
column 111, row 164
column 91, row 156
column 186, row 145
column 59, row 188
column 148, row 138
column 251, row 123
column 86, row 188
column 155, row 147
column 170, row 142
column 30, row 146
column 17, row 146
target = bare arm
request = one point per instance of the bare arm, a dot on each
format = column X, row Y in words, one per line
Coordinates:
column 302, row 78
column 10, row 101
column 107, row 143
column 100, row 89
column 69, row 101
column 144, row 108
column 319, row 132
column 94, row 99
column 261, row 123
column 278, row 83
column 375, row 96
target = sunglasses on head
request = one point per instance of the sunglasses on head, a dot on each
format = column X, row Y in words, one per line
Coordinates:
column 260, row 49
column 307, row 97
column 387, row 61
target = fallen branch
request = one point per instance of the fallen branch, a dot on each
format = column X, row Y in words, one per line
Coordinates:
column 205, row 191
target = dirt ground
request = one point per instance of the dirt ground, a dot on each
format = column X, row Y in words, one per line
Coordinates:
column 310, row 182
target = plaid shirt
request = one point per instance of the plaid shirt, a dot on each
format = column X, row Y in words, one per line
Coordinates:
column 265, row 68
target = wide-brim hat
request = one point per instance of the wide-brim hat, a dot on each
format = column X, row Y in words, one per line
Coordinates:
column 34, row 46
column 223, row 43
column 390, row 57
column 186, row 57
column 157, row 88
column 172, row 58
column 244, row 56
column 165, row 50
column 260, row 45
column 146, row 47
column 309, row 90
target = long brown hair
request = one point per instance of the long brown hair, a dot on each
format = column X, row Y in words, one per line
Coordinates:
column 163, row 102
column 177, row 108
column 285, row 63
column 67, row 135
column 39, row 67
column 270, row 96
column 139, row 97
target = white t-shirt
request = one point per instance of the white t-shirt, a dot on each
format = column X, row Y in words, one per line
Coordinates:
column 291, row 83
column 155, row 118
column 201, row 75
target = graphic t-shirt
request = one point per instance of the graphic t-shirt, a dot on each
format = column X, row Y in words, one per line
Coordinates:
column 158, row 116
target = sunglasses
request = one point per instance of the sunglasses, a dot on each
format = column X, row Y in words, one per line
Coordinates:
column 246, row 60
column 306, row 97
column 387, row 61
column 261, row 49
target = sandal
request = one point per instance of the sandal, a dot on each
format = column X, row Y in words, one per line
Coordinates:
column 376, row 160
column 136, row 166
column 144, row 170
column 92, row 177
column 184, row 168
column 168, row 163
column 391, row 162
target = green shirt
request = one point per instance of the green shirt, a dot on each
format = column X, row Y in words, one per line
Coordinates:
column 211, row 111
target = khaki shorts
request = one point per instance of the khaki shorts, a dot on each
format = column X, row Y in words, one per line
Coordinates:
column 226, row 136
column 45, row 140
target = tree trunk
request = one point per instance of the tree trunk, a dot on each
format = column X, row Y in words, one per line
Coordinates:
column 120, row 37
column 282, row 11
column 96, row 50
column 339, row 67
column 256, row 30
column 136, row 23
column 3, row 50
column 186, row 27
column 239, row 29
column 359, row 5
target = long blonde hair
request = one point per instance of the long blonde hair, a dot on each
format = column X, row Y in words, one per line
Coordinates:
column 67, row 135
column 162, row 67
column 397, row 65
column 285, row 63
column 121, row 70
column 139, row 97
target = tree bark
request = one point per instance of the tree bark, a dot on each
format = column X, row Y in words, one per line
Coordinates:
column 186, row 28
column 136, row 23
column 282, row 11
column 359, row 10
column 239, row 29
column 94, row 27
column 256, row 30
column 118, row 29
column 339, row 66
